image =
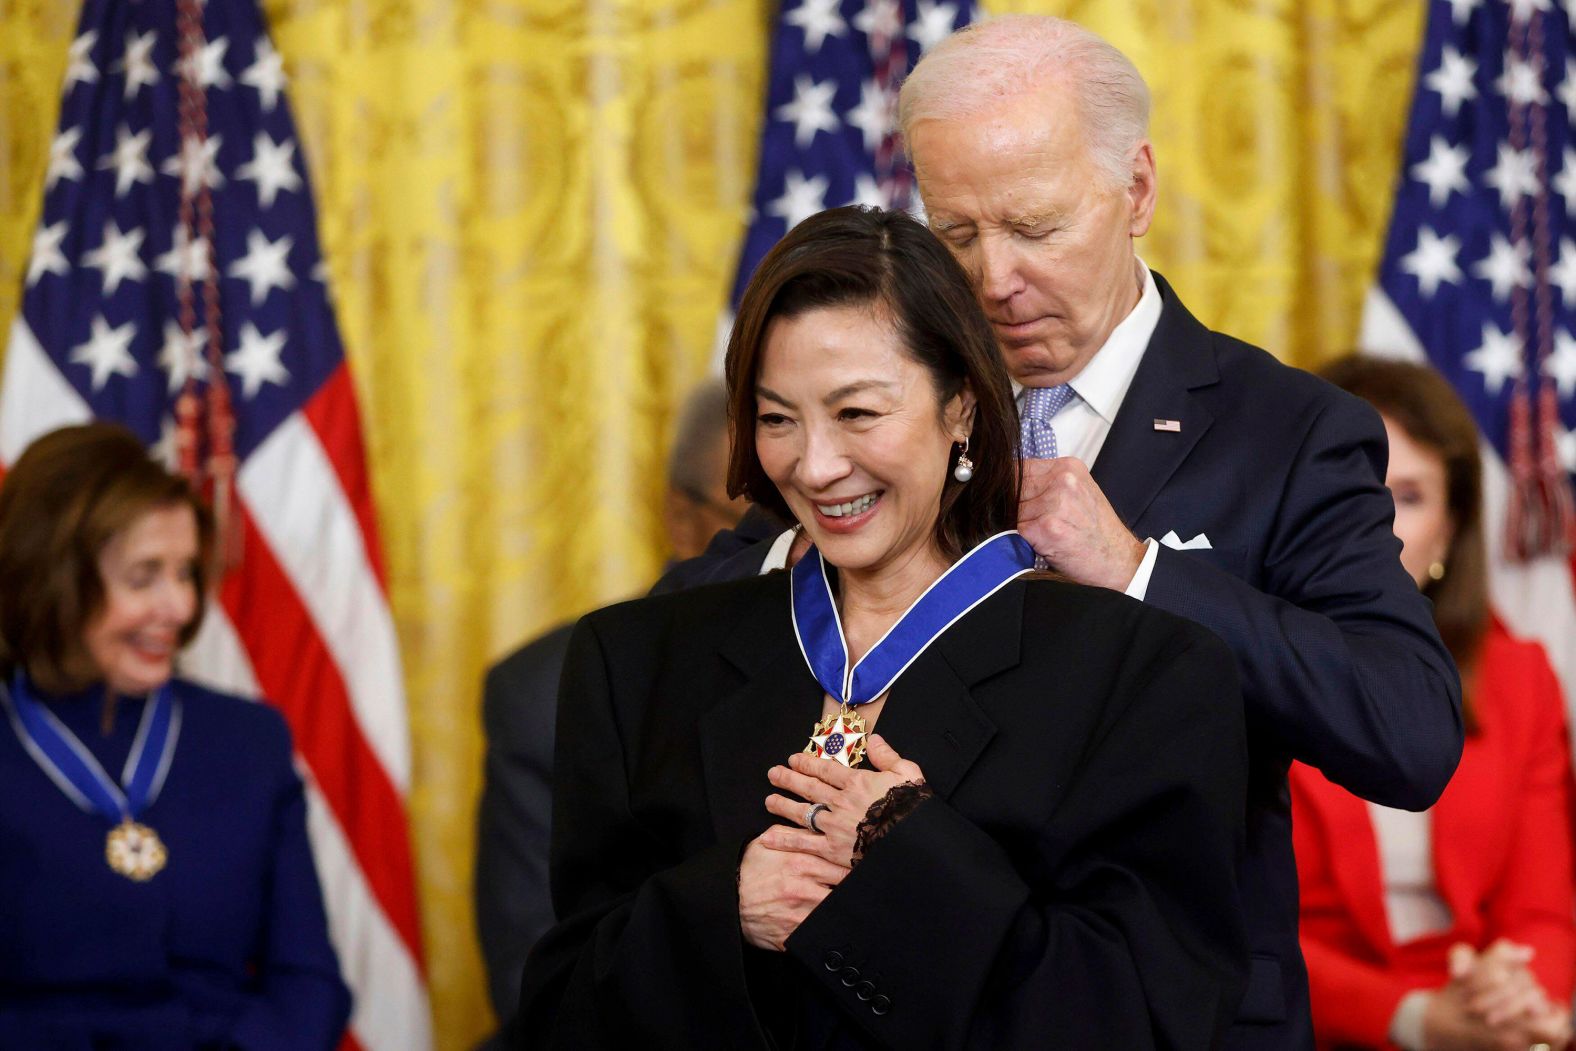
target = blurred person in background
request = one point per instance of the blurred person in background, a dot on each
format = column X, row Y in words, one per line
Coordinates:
column 1451, row 928
column 159, row 891
column 520, row 701
column 696, row 505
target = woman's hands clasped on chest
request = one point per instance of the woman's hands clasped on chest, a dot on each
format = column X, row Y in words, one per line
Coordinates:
column 790, row 869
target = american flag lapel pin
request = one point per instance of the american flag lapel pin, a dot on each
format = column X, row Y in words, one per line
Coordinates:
column 1175, row 426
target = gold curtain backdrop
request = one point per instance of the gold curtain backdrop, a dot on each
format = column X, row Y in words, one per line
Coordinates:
column 530, row 210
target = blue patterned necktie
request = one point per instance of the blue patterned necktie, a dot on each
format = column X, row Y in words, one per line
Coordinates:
column 1036, row 437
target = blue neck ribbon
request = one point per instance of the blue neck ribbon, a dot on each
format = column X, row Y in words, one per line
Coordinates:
column 74, row 770
column 969, row 581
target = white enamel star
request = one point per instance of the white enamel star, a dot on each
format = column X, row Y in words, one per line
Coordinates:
column 841, row 742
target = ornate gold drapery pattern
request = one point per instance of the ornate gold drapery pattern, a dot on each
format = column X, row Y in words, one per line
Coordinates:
column 530, row 210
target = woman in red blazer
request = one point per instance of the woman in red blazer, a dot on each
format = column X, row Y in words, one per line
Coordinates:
column 1451, row 929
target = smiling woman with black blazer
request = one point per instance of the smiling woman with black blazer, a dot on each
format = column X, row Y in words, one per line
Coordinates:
column 1014, row 805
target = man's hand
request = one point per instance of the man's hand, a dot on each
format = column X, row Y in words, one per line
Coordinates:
column 1067, row 520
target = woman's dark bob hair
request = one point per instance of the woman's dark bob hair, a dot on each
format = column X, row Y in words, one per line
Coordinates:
column 886, row 260
column 68, row 495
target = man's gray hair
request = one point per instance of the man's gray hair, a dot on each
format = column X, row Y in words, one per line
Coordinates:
column 702, row 418
column 1009, row 56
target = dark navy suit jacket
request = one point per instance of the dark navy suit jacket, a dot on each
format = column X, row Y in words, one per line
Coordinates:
column 1341, row 666
column 227, row 947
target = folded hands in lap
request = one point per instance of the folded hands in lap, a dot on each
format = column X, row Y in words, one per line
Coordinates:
column 1493, row 1002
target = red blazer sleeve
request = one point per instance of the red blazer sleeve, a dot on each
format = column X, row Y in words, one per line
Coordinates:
column 1536, row 898
column 1353, row 995
column 1353, row 1000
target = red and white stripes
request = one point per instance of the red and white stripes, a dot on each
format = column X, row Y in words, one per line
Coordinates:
column 305, row 622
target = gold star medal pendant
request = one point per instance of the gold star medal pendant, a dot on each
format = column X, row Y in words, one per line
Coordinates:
column 132, row 848
column 842, row 735
column 839, row 737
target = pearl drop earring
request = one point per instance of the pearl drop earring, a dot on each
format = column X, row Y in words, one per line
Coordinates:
column 965, row 467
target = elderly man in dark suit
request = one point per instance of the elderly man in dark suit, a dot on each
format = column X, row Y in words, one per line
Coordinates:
column 1181, row 466
column 519, row 711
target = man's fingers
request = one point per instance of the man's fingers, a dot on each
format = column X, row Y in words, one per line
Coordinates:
column 1036, row 474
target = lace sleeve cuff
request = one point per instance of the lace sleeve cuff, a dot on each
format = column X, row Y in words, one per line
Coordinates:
column 886, row 812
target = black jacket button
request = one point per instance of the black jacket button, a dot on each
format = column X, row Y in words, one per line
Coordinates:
column 849, row 976
column 833, row 960
column 880, row 1005
column 865, row 989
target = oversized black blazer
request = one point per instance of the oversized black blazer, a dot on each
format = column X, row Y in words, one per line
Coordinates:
column 1341, row 666
column 1071, row 885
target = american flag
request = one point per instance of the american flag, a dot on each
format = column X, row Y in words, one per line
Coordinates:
column 830, row 134
column 1479, row 271
column 303, row 619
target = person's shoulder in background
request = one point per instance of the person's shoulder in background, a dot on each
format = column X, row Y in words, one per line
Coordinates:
column 732, row 554
column 521, row 691
column 1515, row 681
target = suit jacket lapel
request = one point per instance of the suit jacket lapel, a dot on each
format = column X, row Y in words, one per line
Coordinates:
column 1136, row 459
column 762, row 721
column 931, row 716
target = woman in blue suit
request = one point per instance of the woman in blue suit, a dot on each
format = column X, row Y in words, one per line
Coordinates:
column 156, row 886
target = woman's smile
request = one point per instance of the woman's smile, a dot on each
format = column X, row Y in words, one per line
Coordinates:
column 848, row 515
